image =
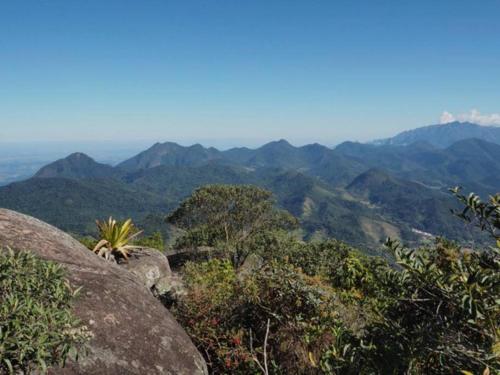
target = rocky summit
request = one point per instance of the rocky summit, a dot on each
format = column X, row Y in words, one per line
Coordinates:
column 133, row 333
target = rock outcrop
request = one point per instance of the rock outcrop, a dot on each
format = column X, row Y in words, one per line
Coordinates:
column 133, row 332
column 149, row 265
column 152, row 268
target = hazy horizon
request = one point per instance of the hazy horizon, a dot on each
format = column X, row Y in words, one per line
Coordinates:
column 225, row 73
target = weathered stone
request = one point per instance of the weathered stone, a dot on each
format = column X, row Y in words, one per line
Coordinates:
column 149, row 265
column 252, row 264
column 152, row 269
column 172, row 285
column 133, row 332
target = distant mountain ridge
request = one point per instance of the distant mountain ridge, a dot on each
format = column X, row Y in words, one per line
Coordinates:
column 77, row 165
column 359, row 193
column 273, row 154
column 472, row 163
column 444, row 135
column 172, row 154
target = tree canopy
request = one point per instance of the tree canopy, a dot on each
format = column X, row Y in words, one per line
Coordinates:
column 228, row 215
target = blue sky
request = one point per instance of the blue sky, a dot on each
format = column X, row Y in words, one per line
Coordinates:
column 243, row 72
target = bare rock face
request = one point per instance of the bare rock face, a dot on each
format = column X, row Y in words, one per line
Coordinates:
column 133, row 332
column 149, row 265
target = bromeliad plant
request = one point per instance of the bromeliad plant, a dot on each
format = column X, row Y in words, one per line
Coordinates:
column 115, row 239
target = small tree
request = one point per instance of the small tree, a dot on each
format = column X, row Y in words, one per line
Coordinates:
column 228, row 215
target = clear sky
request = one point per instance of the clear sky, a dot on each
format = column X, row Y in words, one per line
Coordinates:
column 243, row 72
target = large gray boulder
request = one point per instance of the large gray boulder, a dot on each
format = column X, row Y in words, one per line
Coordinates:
column 133, row 332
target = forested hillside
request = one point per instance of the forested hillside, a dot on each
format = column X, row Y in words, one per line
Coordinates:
column 359, row 193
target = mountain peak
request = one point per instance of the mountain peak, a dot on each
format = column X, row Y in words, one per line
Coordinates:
column 171, row 154
column 75, row 166
column 279, row 143
column 79, row 157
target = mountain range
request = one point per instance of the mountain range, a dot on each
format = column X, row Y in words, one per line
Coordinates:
column 359, row 193
column 444, row 135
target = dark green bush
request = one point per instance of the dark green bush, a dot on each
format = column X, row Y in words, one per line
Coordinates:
column 154, row 241
column 227, row 314
column 37, row 328
column 441, row 312
column 228, row 217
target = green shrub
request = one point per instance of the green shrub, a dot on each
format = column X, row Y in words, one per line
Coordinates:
column 37, row 328
column 228, row 314
column 484, row 215
column 441, row 312
column 323, row 308
column 154, row 241
column 340, row 265
column 88, row 241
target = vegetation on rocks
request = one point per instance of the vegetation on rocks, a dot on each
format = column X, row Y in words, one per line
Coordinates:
column 37, row 327
column 155, row 241
column 115, row 239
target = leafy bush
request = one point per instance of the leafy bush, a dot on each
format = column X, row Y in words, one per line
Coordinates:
column 88, row 241
column 442, row 312
column 154, row 241
column 322, row 307
column 278, row 312
column 37, row 328
column 485, row 215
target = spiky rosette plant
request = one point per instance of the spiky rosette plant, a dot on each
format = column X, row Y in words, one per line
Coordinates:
column 115, row 239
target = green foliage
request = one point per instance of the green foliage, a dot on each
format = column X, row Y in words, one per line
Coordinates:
column 325, row 308
column 340, row 265
column 485, row 215
column 37, row 328
column 438, row 312
column 115, row 238
column 228, row 216
column 154, row 241
column 226, row 313
column 88, row 241
column 442, row 312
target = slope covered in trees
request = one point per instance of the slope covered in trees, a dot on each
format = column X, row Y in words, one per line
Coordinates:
column 294, row 307
column 333, row 192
